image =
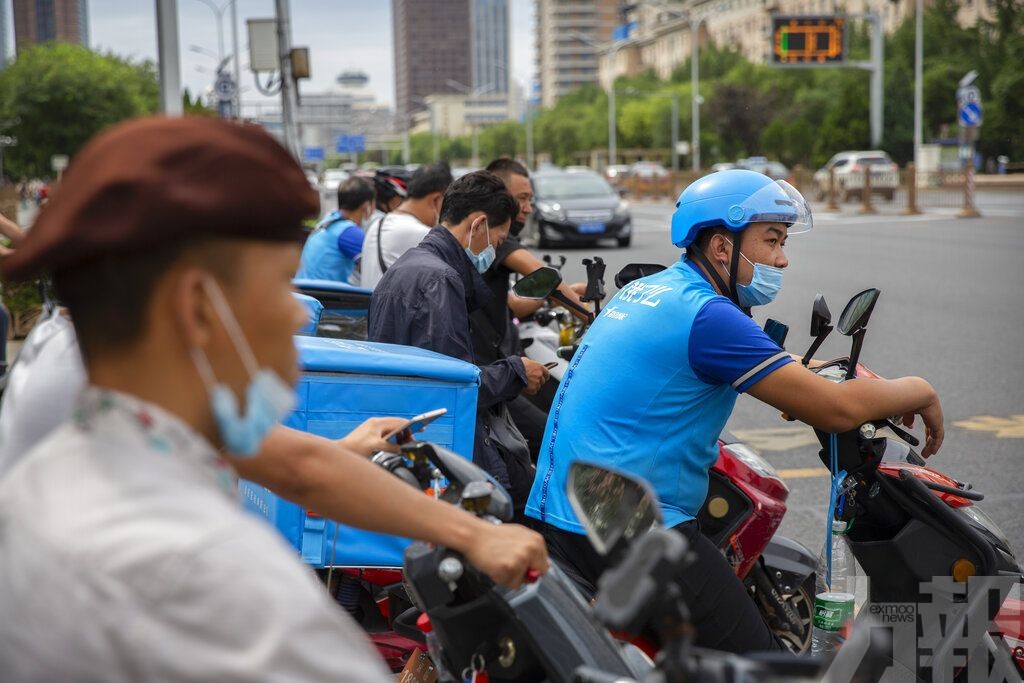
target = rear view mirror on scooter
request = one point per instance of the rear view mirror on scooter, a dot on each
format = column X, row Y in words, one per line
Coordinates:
column 539, row 284
column 821, row 326
column 613, row 507
column 855, row 316
column 635, row 271
column 853, row 323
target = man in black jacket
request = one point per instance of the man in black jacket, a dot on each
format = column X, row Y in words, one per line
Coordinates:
column 425, row 300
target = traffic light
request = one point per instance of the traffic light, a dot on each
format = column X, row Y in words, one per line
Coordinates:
column 808, row 40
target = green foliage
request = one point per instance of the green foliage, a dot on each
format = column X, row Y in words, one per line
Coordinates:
column 798, row 116
column 62, row 95
column 194, row 106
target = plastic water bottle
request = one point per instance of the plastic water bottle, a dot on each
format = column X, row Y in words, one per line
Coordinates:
column 833, row 604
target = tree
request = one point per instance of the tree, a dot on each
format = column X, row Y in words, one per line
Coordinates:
column 61, row 95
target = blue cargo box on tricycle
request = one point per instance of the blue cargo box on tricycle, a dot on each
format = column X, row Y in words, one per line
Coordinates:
column 343, row 383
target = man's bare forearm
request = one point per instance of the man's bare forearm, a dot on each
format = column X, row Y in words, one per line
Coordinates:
column 321, row 475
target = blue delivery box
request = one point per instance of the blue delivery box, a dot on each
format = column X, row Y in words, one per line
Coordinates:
column 343, row 383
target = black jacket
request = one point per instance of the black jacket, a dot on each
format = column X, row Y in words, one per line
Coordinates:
column 424, row 300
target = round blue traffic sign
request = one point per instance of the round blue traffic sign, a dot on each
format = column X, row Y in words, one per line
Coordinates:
column 970, row 114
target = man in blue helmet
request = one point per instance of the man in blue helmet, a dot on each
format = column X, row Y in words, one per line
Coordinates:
column 657, row 375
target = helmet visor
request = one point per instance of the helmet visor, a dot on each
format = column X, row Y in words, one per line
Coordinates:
column 777, row 202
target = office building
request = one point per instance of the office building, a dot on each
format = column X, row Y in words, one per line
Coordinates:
column 491, row 58
column 42, row 21
column 432, row 47
column 569, row 36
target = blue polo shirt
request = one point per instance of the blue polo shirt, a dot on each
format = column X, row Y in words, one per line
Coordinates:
column 650, row 390
column 332, row 249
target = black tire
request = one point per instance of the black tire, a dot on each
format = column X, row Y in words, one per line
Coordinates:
column 624, row 241
column 801, row 600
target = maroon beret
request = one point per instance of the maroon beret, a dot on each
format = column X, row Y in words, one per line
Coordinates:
column 154, row 180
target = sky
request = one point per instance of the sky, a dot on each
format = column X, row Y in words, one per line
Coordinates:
column 342, row 35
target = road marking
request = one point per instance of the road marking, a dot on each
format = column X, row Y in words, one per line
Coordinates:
column 777, row 438
column 1011, row 427
column 803, row 472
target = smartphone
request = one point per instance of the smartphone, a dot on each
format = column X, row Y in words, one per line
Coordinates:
column 415, row 425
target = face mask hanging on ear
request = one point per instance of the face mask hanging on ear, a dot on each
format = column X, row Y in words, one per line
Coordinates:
column 485, row 258
column 268, row 399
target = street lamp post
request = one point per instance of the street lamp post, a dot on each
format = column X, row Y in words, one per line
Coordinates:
column 695, row 96
column 218, row 12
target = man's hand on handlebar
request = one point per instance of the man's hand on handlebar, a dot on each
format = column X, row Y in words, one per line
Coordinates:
column 536, row 375
column 507, row 552
column 368, row 438
column 934, row 431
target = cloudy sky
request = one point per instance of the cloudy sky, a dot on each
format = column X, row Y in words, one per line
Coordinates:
column 342, row 35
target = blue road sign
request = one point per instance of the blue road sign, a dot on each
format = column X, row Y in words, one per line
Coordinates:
column 313, row 153
column 346, row 144
column 970, row 114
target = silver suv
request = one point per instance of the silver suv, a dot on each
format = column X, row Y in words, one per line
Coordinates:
column 849, row 171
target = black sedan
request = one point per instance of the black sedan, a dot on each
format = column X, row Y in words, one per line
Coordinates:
column 577, row 208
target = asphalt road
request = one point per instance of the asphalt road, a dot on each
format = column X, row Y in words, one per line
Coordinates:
column 951, row 310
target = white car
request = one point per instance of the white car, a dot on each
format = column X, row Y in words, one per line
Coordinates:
column 334, row 177
column 849, row 173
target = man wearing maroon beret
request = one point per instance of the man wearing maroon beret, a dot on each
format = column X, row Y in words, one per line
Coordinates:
column 124, row 555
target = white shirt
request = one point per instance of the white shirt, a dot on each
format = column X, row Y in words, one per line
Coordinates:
column 401, row 232
column 124, row 556
column 42, row 386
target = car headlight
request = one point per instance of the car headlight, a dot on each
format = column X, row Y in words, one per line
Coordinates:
column 748, row 457
column 983, row 520
column 551, row 211
column 622, row 210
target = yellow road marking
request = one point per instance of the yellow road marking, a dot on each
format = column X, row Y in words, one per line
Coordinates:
column 803, row 472
column 1011, row 427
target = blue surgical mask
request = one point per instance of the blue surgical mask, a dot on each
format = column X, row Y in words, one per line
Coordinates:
column 485, row 258
column 764, row 285
column 268, row 399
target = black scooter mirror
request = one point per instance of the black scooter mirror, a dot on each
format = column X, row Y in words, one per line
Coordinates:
column 613, row 507
column 855, row 315
column 820, row 316
column 853, row 323
column 635, row 271
column 821, row 326
column 539, row 284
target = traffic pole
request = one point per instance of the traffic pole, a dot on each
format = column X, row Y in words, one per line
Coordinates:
column 865, row 192
column 911, row 208
column 969, row 210
column 832, row 205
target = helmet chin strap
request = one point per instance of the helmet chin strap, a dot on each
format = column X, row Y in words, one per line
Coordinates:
column 727, row 290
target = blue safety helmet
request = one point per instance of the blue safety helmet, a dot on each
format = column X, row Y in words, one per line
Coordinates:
column 733, row 200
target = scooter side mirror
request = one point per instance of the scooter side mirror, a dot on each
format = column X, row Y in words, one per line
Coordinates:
column 538, row 285
column 856, row 314
column 820, row 316
column 635, row 271
column 613, row 507
column 821, row 326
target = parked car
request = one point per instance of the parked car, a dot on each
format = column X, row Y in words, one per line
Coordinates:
column 849, row 174
column 723, row 166
column 334, row 177
column 647, row 170
column 773, row 169
column 577, row 208
column 578, row 169
column 616, row 173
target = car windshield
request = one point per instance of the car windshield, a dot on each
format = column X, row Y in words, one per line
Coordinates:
column 572, row 186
